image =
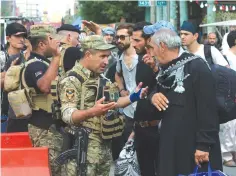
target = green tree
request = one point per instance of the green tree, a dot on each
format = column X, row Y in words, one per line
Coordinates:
column 111, row 11
column 68, row 18
column 222, row 16
column 6, row 8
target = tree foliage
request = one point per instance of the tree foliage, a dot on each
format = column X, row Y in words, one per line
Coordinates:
column 111, row 11
column 6, row 8
column 222, row 16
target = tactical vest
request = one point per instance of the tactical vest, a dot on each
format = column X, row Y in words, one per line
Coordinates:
column 112, row 124
column 56, row 105
column 63, row 48
column 24, row 99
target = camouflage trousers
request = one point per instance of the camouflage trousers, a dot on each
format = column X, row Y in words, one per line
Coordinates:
column 99, row 159
column 48, row 138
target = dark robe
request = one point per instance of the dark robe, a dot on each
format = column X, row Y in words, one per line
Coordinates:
column 190, row 122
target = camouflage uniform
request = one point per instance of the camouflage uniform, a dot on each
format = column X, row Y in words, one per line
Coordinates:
column 63, row 48
column 50, row 138
column 99, row 154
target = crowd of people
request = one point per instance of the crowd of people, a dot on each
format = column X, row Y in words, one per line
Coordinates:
column 152, row 81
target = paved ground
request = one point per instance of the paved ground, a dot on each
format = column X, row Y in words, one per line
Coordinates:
column 231, row 171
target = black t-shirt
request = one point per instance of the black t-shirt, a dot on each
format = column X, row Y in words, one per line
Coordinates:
column 33, row 73
column 72, row 54
column 145, row 110
column 12, row 58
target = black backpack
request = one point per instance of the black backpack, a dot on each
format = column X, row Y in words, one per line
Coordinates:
column 225, row 81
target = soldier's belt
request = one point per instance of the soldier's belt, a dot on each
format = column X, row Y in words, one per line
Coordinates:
column 72, row 130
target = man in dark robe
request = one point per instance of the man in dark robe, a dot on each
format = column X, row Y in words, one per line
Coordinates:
column 190, row 126
column 146, row 123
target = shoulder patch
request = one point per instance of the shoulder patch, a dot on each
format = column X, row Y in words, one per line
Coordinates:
column 70, row 93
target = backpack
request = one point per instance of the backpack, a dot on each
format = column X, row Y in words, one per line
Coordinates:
column 208, row 56
column 225, row 82
column 24, row 99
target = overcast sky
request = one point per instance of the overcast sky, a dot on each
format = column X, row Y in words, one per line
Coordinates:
column 55, row 8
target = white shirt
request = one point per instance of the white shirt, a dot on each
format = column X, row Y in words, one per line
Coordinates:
column 217, row 57
column 129, row 75
column 232, row 60
column 225, row 46
column 2, row 59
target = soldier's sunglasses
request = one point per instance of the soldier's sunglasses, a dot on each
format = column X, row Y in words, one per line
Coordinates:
column 121, row 37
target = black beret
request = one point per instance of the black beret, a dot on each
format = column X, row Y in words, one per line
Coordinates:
column 68, row 27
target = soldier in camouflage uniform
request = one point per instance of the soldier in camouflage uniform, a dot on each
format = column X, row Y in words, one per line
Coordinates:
column 94, row 61
column 43, row 130
column 70, row 38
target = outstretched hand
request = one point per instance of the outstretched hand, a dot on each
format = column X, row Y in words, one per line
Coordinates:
column 144, row 91
column 99, row 108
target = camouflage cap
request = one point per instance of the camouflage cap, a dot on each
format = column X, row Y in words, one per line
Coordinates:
column 95, row 42
column 43, row 30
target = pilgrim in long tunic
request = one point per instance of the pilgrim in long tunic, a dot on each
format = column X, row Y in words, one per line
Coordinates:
column 190, row 122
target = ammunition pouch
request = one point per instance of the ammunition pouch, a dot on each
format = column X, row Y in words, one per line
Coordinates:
column 19, row 101
column 56, row 110
column 24, row 99
column 12, row 78
column 41, row 101
column 112, row 125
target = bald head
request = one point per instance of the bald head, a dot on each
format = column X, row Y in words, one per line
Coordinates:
column 232, row 28
column 212, row 38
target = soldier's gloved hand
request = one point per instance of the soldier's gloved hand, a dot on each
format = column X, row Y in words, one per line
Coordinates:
column 99, row 108
column 140, row 93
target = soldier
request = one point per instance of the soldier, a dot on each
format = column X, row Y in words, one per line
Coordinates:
column 16, row 35
column 82, row 108
column 70, row 38
column 38, row 75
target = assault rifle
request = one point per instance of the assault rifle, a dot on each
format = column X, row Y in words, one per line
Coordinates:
column 78, row 152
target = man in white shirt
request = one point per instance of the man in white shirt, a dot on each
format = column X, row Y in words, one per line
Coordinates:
column 189, row 38
column 225, row 46
column 126, row 71
column 228, row 130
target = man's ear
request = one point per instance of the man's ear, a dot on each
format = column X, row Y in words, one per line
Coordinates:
column 196, row 35
column 40, row 44
column 163, row 46
column 68, row 37
column 87, row 54
column 7, row 38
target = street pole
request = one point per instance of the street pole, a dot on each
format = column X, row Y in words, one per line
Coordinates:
column 183, row 8
column 172, row 11
column 153, row 12
column 211, row 15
